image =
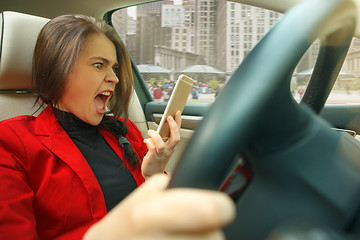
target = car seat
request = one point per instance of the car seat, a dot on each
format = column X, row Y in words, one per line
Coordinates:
column 18, row 36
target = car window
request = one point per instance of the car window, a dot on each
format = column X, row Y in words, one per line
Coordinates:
column 346, row 89
column 207, row 40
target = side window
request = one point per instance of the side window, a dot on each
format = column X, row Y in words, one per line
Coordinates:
column 207, row 40
column 347, row 86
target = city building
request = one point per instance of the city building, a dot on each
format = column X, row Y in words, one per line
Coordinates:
column 240, row 27
column 205, row 31
column 210, row 32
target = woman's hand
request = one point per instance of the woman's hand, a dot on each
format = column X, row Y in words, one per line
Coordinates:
column 151, row 212
column 159, row 151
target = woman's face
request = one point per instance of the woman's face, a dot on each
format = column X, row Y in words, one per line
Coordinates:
column 92, row 80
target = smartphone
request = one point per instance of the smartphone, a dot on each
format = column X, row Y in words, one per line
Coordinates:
column 176, row 103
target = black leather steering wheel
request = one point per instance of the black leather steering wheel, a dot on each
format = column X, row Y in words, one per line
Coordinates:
column 302, row 169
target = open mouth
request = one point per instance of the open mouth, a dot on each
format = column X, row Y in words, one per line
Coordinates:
column 101, row 101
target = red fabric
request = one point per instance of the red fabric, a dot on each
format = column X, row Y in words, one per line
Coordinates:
column 48, row 190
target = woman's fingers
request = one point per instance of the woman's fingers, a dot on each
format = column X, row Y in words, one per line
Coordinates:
column 178, row 118
column 157, row 157
column 151, row 212
column 214, row 235
column 174, row 126
column 157, row 142
column 181, row 212
column 189, row 211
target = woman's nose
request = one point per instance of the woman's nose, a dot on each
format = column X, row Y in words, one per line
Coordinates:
column 111, row 77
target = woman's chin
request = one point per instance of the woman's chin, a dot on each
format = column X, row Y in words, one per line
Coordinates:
column 95, row 118
column 94, row 121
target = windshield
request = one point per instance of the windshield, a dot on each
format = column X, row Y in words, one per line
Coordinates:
column 207, row 40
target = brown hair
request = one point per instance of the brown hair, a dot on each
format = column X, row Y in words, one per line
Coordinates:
column 57, row 49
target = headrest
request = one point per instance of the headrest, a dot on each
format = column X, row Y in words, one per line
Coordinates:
column 18, row 36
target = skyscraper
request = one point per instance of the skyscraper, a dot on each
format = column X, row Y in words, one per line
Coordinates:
column 240, row 27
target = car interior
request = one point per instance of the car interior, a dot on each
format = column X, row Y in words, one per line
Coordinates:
column 16, row 60
column 304, row 164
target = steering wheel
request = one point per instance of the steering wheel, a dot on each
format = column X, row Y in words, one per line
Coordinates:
column 302, row 170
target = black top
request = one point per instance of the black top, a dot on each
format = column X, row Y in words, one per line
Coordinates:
column 115, row 179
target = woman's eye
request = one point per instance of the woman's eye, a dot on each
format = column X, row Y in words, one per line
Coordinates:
column 115, row 69
column 98, row 65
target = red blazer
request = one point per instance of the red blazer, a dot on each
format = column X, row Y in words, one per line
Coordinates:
column 47, row 189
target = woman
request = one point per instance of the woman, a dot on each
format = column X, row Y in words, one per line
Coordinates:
column 63, row 171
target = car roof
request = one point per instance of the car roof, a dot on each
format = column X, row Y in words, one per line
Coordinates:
column 53, row 8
